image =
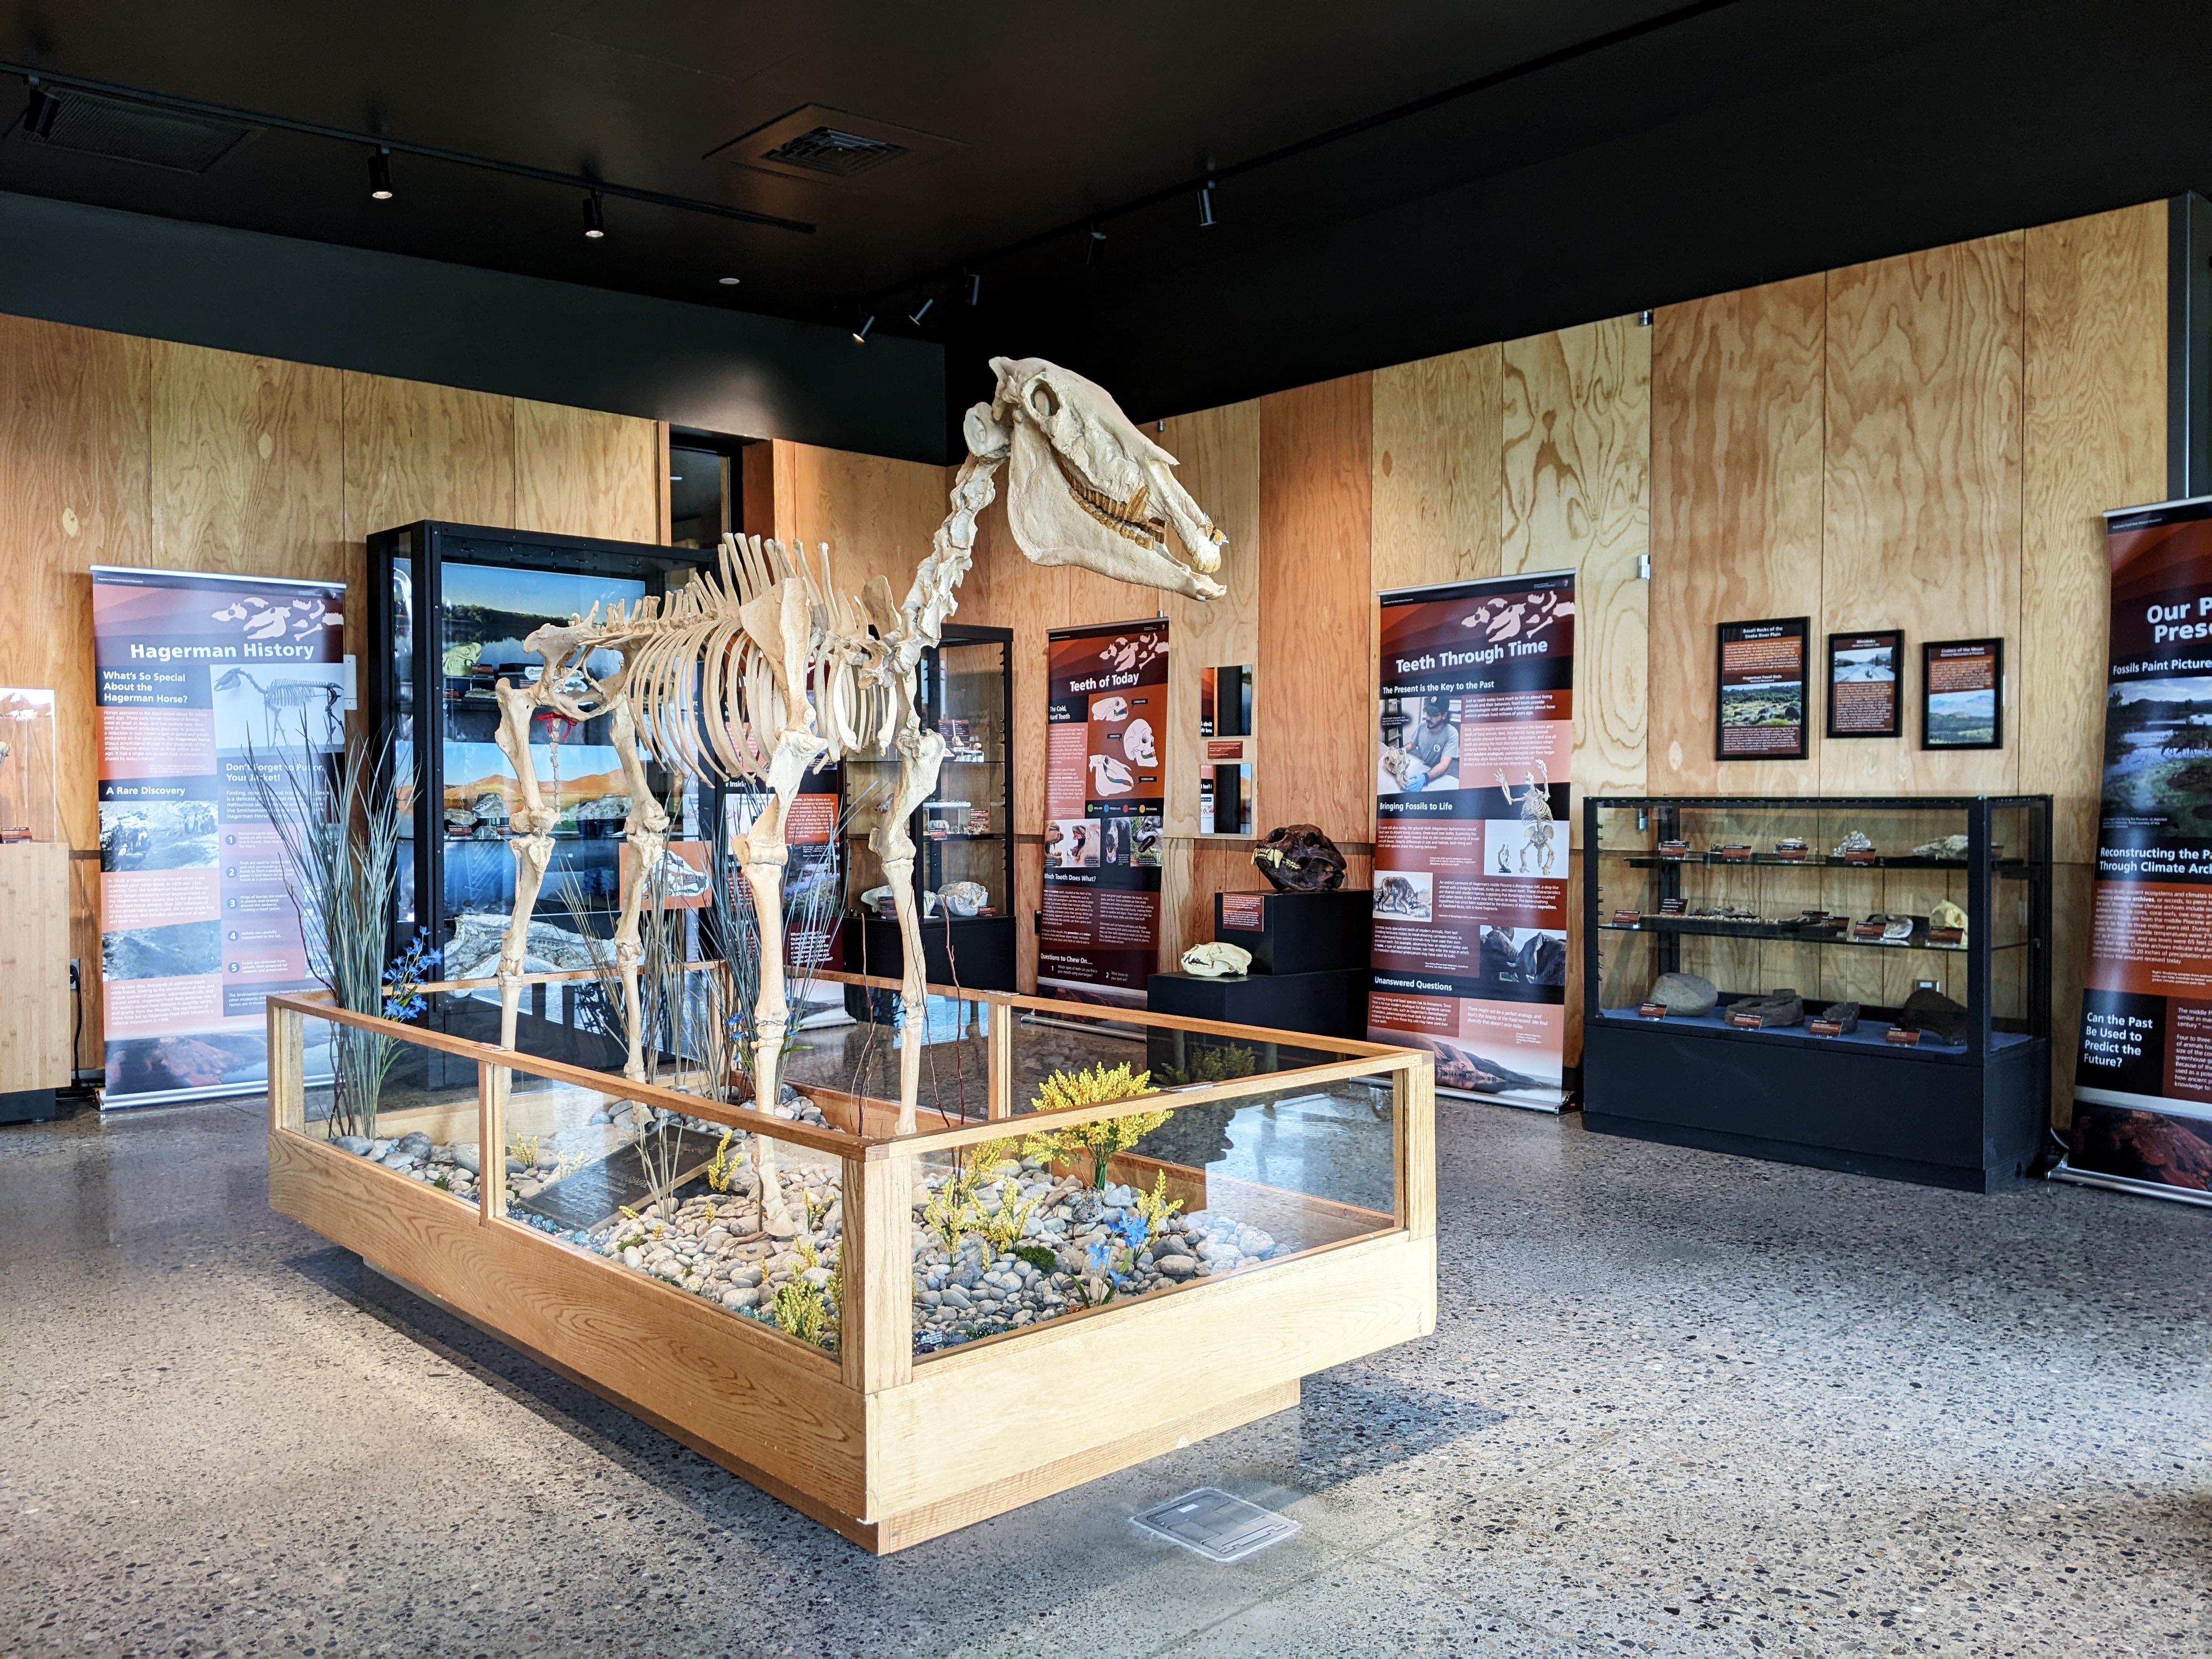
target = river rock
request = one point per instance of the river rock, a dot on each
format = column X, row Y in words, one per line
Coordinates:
column 1684, row 993
column 1176, row 1266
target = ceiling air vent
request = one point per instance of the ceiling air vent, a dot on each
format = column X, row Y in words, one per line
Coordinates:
column 829, row 150
column 830, row 146
column 124, row 131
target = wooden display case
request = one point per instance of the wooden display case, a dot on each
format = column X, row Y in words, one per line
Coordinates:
column 876, row 1436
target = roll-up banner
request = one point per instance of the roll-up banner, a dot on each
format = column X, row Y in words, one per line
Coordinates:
column 2143, row 1084
column 1105, row 791
column 1470, row 955
column 197, row 925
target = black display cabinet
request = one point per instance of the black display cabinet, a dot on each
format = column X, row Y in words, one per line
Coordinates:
column 1944, row 1075
column 963, row 834
column 449, row 608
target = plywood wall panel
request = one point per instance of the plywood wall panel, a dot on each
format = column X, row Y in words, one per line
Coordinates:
column 1439, row 468
column 1923, row 483
column 414, row 451
column 2094, row 438
column 1219, row 452
column 247, row 466
column 75, row 419
column 578, row 472
column 1736, row 463
column 1576, row 495
column 1314, row 712
column 877, row 515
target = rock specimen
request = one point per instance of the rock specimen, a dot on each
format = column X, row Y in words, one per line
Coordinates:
column 1781, row 1007
column 1934, row 1015
column 1843, row 1016
column 1216, row 960
column 1298, row 859
column 1946, row 846
column 1684, row 993
column 1856, row 842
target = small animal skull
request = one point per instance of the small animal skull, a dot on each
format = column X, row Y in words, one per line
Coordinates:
column 1137, row 743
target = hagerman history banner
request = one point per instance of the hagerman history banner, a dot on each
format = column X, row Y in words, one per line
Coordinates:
column 1470, row 955
column 1104, row 789
column 196, row 924
column 2143, row 1088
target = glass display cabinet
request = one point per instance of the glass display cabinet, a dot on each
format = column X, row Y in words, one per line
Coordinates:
column 450, row 606
column 963, row 867
column 1860, row 984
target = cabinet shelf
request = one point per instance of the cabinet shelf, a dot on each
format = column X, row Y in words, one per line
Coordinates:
column 1771, row 931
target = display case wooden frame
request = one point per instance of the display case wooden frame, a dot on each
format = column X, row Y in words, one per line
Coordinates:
column 886, row 1446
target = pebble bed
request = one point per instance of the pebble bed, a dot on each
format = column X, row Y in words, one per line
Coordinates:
column 713, row 1245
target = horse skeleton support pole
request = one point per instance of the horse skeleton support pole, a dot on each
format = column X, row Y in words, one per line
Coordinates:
column 768, row 647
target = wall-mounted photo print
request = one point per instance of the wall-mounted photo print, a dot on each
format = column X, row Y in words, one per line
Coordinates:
column 1761, row 689
column 1866, row 685
column 1962, row 695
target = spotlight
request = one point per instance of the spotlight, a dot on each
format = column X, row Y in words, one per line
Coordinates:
column 861, row 334
column 1205, row 205
column 975, row 288
column 1095, row 248
column 380, row 176
column 39, row 111
column 727, row 281
column 595, row 217
column 921, row 311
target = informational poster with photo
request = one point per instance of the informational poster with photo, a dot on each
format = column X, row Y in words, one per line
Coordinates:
column 2143, row 1085
column 813, row 888
column 1105, row 794
column 197, row 926
column 1866, row 681
column 1762, row 689
column 1472, row 801
column 1962, row 695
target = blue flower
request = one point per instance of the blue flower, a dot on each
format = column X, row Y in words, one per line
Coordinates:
column 1102, row 1257
column 1136, row 1232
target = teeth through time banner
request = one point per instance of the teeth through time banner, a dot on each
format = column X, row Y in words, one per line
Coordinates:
column 1470, row 903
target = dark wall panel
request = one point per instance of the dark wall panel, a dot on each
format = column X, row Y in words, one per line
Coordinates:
column 417, row 319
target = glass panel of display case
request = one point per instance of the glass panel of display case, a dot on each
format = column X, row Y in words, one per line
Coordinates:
column 486, row 612
column 26, row 765
column 424, row 1125
column 401, row 735
column 965, row 823
column 839, row 1056
column 1839, row 920
column 2016, row 862
column 1031, row 1228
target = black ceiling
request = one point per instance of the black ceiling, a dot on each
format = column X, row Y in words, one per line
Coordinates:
column 1693, row 147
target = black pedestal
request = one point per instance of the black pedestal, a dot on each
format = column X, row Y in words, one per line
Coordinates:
column 1323, row 1005
column 1299, row 932
column 29, row 1106
column 983, row 949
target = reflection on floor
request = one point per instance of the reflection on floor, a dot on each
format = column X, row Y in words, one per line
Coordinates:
column 1677, row 1404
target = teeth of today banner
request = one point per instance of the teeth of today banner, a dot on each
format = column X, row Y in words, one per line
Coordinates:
column 1105, row 786
column 2143, row 1084
column 197, row 925
column 1471, row 829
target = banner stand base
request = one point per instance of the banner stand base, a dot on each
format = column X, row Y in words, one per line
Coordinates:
column 2065, row 1172
column 1559, row 1108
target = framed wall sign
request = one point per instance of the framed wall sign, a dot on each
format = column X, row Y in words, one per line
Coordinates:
column 1866, row 683
column 1762, row 695
column 1962, row 694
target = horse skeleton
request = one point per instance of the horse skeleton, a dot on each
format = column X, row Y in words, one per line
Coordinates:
column 764, row 670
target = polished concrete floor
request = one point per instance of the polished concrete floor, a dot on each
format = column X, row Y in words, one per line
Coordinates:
column 1676, row 1403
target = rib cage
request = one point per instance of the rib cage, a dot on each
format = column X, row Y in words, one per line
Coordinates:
column 705, row 672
